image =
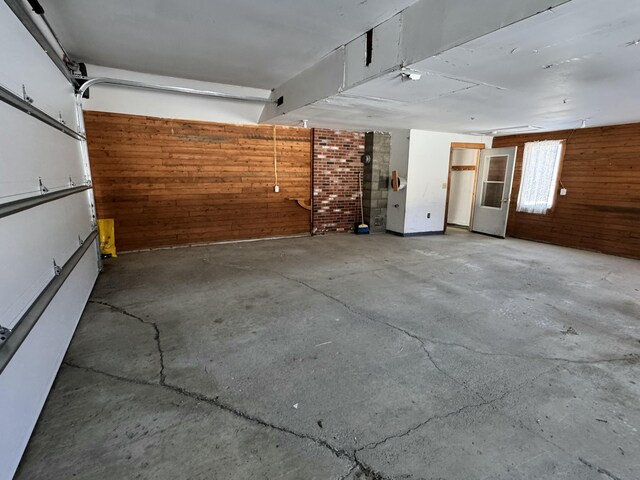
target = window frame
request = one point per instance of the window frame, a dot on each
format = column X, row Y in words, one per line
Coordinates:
column 558, row 183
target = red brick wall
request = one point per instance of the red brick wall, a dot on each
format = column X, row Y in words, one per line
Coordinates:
column 336, row 165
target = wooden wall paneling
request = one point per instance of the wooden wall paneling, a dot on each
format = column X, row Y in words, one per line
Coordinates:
column 172, row 182
column 601, row 172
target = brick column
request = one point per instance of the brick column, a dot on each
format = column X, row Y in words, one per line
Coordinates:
column 336, row 165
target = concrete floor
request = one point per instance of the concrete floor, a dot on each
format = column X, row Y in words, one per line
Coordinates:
column 445, row 357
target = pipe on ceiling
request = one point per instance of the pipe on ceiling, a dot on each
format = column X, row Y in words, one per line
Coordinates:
column 89, row 82
column 38, row 10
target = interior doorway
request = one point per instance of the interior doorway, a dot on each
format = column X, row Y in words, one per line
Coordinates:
column 461, row 184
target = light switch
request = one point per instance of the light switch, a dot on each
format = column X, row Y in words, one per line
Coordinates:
column 444, row 186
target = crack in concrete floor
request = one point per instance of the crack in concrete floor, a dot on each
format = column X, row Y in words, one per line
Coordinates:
column 634, row 358
column 590, row 465
column 485, row 403
column 349, row 471
column 356, row 463
column 599, row 469
column 387, row 324
column 153, row 324
column 340, row 453
column 630, row 358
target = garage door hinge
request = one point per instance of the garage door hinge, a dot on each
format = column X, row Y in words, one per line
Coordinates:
column 56, row 269
column 42, row 187
column 26, row 97
column 4, row 334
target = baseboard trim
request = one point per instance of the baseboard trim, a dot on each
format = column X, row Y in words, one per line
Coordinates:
column 416, row 234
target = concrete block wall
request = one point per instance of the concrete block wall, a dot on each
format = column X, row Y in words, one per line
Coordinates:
column 376, row 180
column 336, row 166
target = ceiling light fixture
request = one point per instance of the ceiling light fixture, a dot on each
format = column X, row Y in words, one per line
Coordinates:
column 632, row 43
column 502, row 131
column 410, row 74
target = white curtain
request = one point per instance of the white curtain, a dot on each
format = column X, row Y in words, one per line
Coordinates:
column 540, row 166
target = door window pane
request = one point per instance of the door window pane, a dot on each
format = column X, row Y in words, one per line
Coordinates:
column 497, row 168
column 492, row 196
column 493, row 184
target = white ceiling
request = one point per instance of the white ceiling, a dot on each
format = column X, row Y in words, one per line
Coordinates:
column 551, row 71
column 254, row 43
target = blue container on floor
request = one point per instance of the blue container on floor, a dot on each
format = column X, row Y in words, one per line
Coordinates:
column 361, row 228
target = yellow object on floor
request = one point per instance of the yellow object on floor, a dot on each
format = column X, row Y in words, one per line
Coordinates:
column 106, row 228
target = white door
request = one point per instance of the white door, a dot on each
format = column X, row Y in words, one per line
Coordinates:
column 493, row 190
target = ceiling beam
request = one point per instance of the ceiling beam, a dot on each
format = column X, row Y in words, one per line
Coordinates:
column 423, row 30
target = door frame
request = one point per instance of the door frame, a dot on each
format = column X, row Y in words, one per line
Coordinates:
column 462, row 146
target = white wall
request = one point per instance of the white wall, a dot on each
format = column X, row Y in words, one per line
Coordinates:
column 399, row 157
column 426, row 164
column 461, row 187
column 32, row 238
column 427, row 178
column 107, row 98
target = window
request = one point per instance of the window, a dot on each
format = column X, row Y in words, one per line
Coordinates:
column 540, row 169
